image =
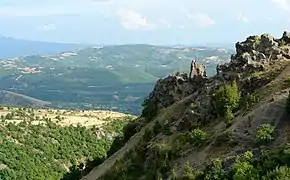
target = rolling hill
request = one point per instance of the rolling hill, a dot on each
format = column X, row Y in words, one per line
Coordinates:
column 8, row 98
column 110, row 77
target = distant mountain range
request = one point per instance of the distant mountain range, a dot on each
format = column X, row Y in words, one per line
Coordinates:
column 10, row 47
column 116, row 77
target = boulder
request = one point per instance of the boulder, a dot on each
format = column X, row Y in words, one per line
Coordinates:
column 286, row 37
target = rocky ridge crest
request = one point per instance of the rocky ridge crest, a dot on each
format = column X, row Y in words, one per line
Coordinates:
column 255, row 55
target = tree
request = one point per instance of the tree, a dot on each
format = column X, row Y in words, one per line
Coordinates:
column 149, row 109
column 226, row 99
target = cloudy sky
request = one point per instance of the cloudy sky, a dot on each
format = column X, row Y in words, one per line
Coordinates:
column 142, row 21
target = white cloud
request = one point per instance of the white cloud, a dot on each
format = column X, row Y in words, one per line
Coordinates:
column 47, row 27
column 132, row 20
column 243, row 18
column 282, row 4
column 202, row 20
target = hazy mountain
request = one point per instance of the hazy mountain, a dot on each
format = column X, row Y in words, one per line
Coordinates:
column 10, row 47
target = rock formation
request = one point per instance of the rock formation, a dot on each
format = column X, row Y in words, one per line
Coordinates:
column 252, row 54
column 176, row 87
column 255, row 54
column 196, row 70
column 171, row 89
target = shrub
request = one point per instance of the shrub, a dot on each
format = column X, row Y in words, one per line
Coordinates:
column 282, row 172
column 243, row 168
column 248, row 101
column 226, row 99
column 130, row 130
column 187, row 173
column 198, row 137
column 213, row 171
column 157, row 128
column 265, row 133
column 149, row 109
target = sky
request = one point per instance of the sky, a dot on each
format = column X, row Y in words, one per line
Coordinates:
column 143, row 21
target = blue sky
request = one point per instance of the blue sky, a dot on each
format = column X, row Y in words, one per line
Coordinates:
column 143, row 21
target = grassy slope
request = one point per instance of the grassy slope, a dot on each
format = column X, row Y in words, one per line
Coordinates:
column 174, row 111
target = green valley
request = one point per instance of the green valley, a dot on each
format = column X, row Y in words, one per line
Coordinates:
column 111, row 77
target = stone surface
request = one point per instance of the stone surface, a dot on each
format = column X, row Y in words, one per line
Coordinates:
column 172, row 89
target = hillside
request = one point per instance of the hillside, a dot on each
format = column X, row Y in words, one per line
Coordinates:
column 52, row 144
column 111, row 77
column 10, row 47
column 233, row 125
column 8, row 98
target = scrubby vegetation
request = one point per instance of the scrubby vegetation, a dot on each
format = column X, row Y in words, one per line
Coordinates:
column 197, row 137
column 45, row 151
column 265, row 133
column 226, row 99
column 34, row 147
column 268, row 165
column 248, row 100
column 149, row 109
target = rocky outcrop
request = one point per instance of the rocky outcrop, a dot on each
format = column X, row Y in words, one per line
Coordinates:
column 253, row 53
column 197, row 70
column 174, row 88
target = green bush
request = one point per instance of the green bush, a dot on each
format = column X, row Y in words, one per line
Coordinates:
column 243, row 168
column 149, row 109
column 282, row 172
column 213, row 171
column 130, row 130
column 225, row 100
column 187, row 173
column 265, row 133
column 198, row 137
column 247, row 101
